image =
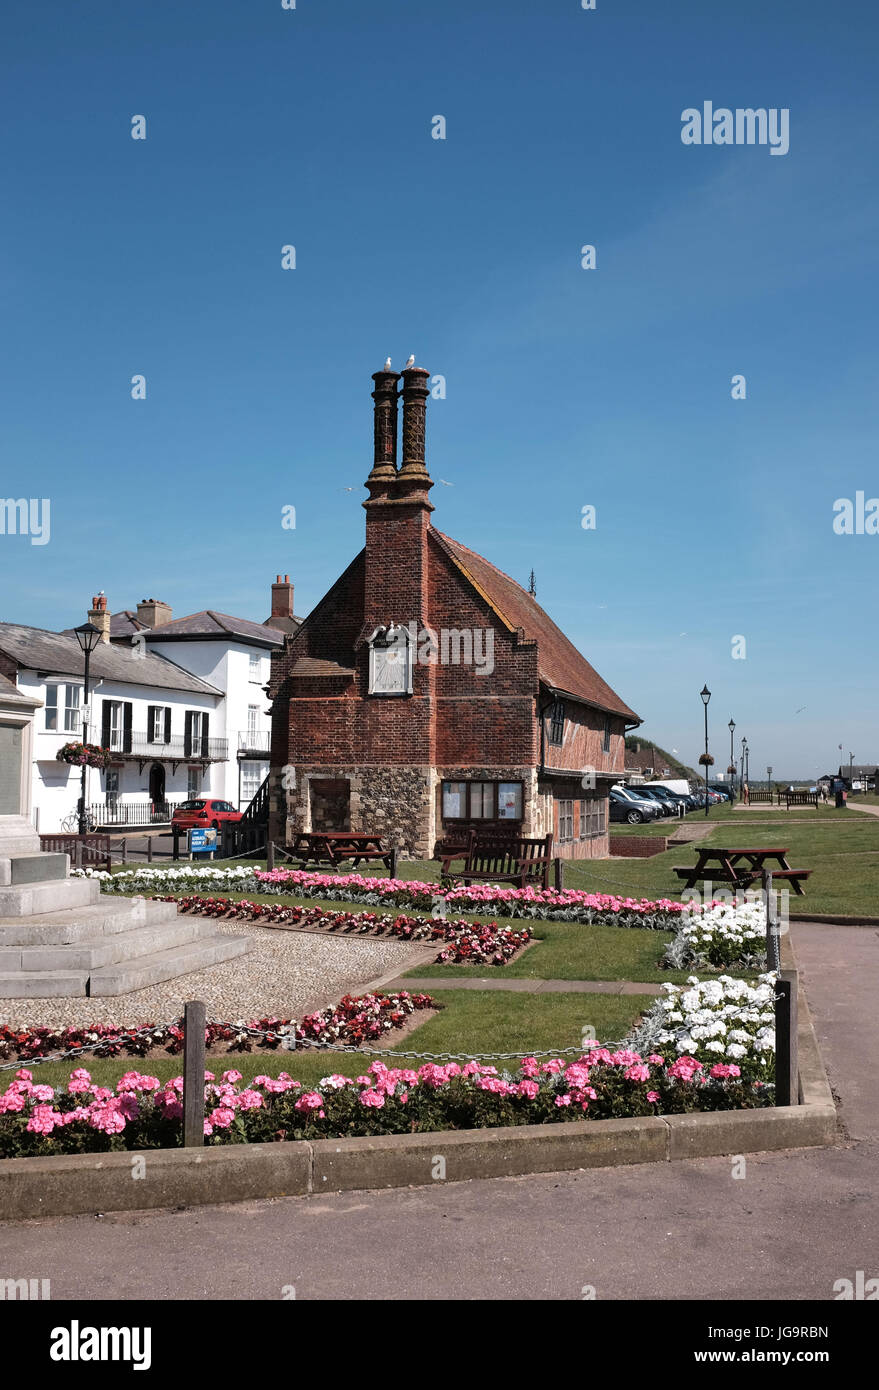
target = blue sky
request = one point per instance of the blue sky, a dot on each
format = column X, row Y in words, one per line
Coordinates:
column 565, row 387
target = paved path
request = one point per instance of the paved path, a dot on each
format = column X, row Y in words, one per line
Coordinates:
column 796, row 1222
column 520, row 986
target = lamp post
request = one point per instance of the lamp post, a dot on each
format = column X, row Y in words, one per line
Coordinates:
column 706, row 696
column 732, row 761
column 746, row 763
column 769, row 780
column 851, row 775
column 88, row 636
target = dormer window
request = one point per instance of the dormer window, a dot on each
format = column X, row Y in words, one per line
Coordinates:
column 390, row 661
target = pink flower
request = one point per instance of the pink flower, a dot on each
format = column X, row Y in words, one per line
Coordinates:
column 637, row 1073
column 653, row 1097
column 563, row 1100
column 311, row 1100
column 685, row 1068
column 373, row 1099
column 527, row 1088
column 42, row 1093
column 222, row 1116
column 722, row 1069
column 24, row 1075
column 249, row 1100
column 232, row 1076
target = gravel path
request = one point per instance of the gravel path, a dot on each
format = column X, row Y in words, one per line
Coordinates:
column 286, row 974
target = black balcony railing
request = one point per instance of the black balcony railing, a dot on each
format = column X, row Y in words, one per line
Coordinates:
column 254, row 744
column 175, row 749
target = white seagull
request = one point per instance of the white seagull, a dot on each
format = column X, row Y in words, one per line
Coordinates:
column 445, row 484
column 410, row 363
column 388, row 367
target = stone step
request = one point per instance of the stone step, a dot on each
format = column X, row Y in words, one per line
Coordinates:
column 36, row 984
column 106, row 950
column 107, row 917
column 37, row 868
column 20, row 900
column 124, row 977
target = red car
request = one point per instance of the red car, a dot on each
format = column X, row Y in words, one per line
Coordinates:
column 205, row 811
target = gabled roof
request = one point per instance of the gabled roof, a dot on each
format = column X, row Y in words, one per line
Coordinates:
column 35, row 649
column 210, row 624
column 123, row 624
column 560, row 665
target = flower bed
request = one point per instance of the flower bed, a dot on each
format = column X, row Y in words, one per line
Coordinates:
column 354, row 1020
column 570, row 905
column 723, row 1020
column 468, row 943
column 721, row 936
column 142, row 1113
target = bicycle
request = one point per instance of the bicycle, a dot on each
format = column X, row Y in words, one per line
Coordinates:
column 70, row 824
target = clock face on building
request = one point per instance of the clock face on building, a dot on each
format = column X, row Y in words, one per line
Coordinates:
column 389, row 672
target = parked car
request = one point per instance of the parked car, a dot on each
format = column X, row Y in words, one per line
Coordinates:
column 662, row 799
column 624, row 807
column 676, row 799
column 203, row 811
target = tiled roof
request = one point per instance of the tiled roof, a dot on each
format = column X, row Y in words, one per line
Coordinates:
column 209, row 624
column 560, row 664
column 317, row 666
column 38, row 650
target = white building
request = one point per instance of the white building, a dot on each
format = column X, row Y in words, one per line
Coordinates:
column 163, row 725
column 181, row 703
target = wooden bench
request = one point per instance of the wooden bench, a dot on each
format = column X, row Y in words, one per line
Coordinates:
column 524, row 862
column 798, row 799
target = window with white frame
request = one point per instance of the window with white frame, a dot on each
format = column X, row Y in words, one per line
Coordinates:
column 252, row 718
column 252, row 776
column 255, row 667
column 193, row 782
column 64, row 708
column 156, row 730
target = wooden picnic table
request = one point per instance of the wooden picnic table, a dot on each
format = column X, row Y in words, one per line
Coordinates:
column 332, row 846
column 741, row 866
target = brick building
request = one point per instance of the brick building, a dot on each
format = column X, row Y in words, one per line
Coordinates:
column 428, row 691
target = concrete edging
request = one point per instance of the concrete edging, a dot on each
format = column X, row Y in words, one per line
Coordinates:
column 77, row 1184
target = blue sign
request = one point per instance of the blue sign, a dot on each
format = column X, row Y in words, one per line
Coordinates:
column 202, row 841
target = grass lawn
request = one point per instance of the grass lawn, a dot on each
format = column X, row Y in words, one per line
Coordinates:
column 473, row 1021
column 571, row 951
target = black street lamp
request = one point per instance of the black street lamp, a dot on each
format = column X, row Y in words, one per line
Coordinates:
column 732, row 761
column 851, row 775
column 706, row 696
column 88, row 636
column 745, row 751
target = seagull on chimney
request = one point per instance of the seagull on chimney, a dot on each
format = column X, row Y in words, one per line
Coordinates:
column 388, row 367
column 410, row 363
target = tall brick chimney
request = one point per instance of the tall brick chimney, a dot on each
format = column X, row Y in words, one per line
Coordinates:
column 99, row 617
column 282, row 598
column 398, row 508
column 152, row 612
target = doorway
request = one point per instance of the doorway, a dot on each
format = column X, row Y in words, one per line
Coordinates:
column 330, row 803
column 157, row 787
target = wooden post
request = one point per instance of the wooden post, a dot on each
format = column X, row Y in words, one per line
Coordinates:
column 786, row 1058
column 193, row 1073
column 559, row 868
column 175, row 835
column 394, row 857
column 270, row 854
column 77, row 853
column 773, row 944
column 124, row 849
column 224, row 839
column 149, row 840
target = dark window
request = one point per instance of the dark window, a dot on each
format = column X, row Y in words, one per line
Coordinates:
column 593, row 817
column 605, row 746
column 566, row 821
column 557, row 722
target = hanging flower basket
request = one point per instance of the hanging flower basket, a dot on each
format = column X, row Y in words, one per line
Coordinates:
column 87, row 754
column 732, row 770
column 706, row 760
